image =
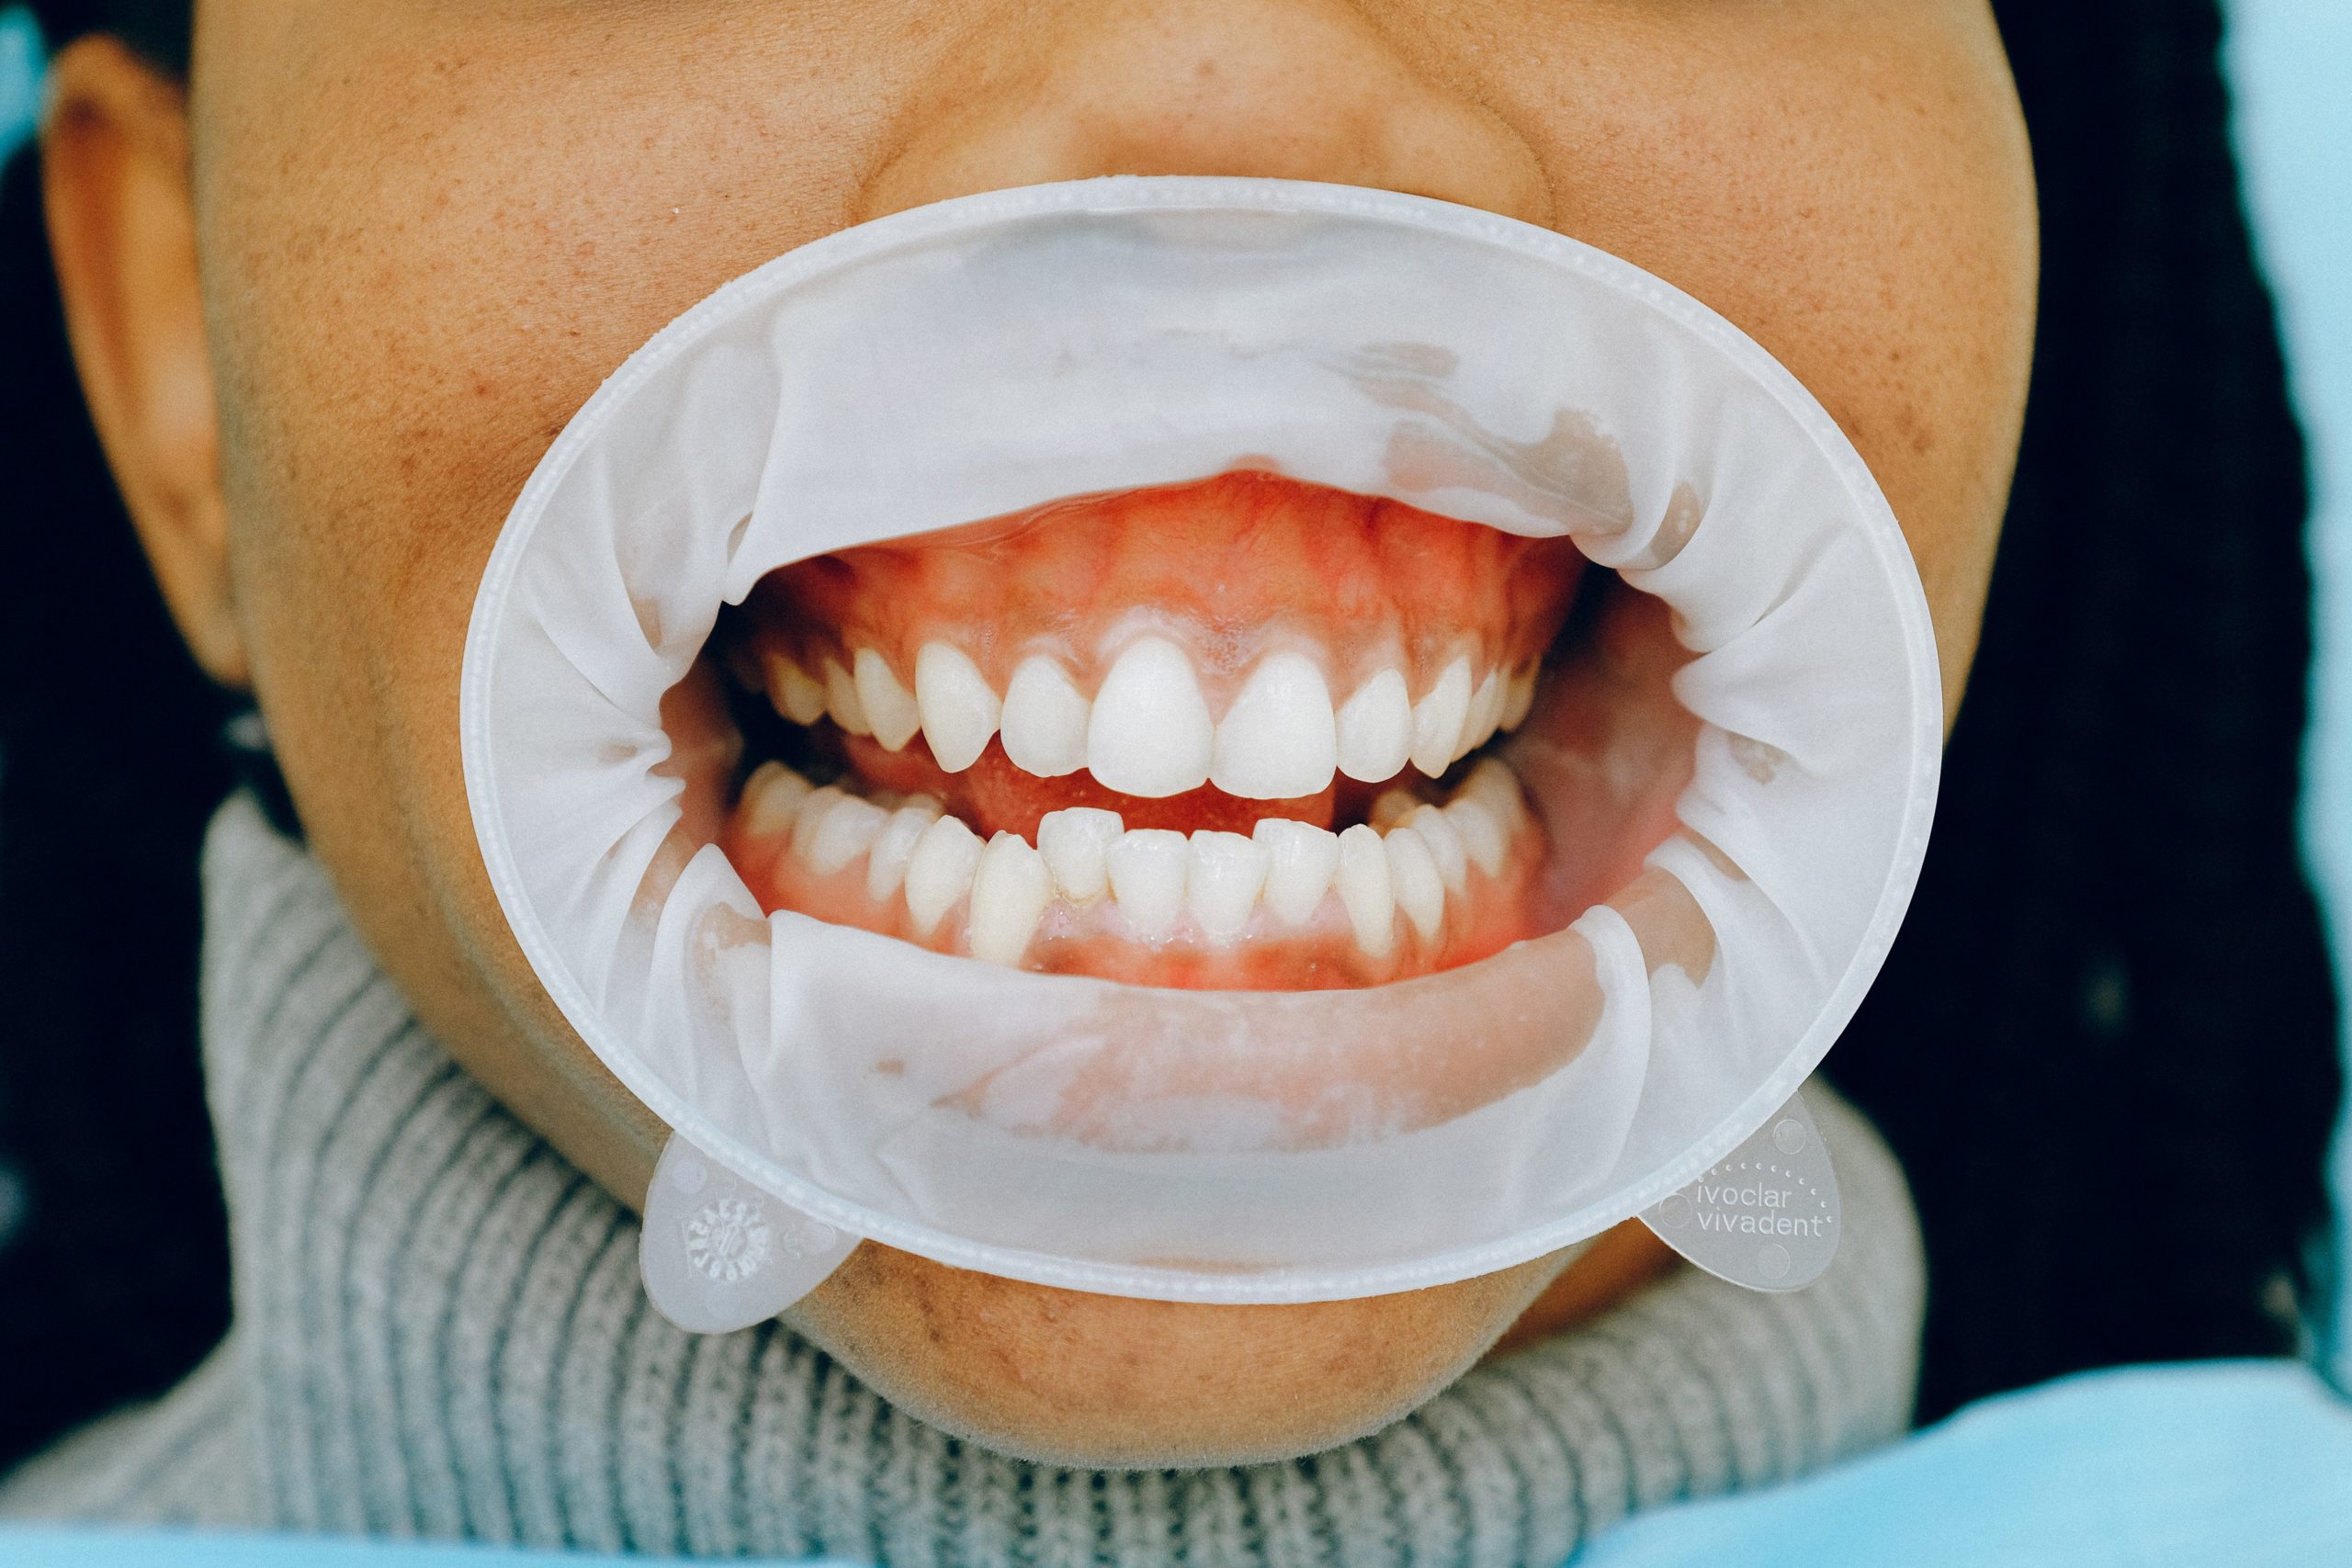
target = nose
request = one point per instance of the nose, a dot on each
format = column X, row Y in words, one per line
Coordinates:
column 1292, row 89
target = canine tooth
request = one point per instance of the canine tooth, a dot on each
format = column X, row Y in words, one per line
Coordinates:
column 1365, row 890
column 847, row 831
column 1223, row 874
column 1010, row 889
column 958, row 706
column 1519, row 696
column 1151, row 735
column 1278, row 741
column 841, row 699
column 1445, row 845
column 1300, row 859
column 889, row 708
column 1073, row 841
column 772, row 796
column 939, row 871
column 1413, row 876
column 1481, row 832
column 1375, row 728
column 1485, row 714
column 886, row 862
column 1147, row 873
column 793, row 692
column 1044, row 719
column 1391, row 807
column 1438, row 719
column 811, row 817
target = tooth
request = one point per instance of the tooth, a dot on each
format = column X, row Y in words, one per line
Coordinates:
column 1151, row 735
column 841, row 699
column 1010, row 889
column 1481, row 834
column 1375, row 728
column 847, row 831
column 889, row 708
column 959, row 708
column 1391, row 807
column 1278, row 741
column 771, row 796
column 1445, row 845
column 1300, row 859
column 1412, row 875
column 1497, row 787
column 1223, row 874
column 793, row 692
column 886, row 863
column 1146, row 871
column 939, row 871
column 1485, row 712
column 1364, row 888
column 1045, row 720
column 1073, row 841
column 1518, row 697
column 1438, row 719
column 811, row 817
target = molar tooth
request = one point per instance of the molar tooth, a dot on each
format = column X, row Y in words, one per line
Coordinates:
column 1485, row 714
column 847, row 830
column 811, row 817
column 1147, row 873
column 1300, row 860
column 1151, row 734
column 1375, row 728
column 772, row 797
column 886, row 863
column 1413, row 876
column 939, row 871
column 1365, row 890
column 841, row 699
column 1391, row 807
column 793, row 692
column 889, row 708
column 1445, row 845
column 1481, row 832
column 1044, row 719
column 1438, row 719
column 1278, row 741
column 1073, row 841
column 1010, row 889
column 1223, row 874
column 958, row 706
column 1497, row 787
column 1519, row 696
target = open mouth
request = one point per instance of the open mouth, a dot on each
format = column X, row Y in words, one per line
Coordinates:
column 1246, row 733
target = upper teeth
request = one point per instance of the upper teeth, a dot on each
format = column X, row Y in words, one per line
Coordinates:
column 1148, row 731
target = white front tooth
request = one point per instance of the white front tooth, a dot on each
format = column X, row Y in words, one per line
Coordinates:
column 1223, row 874
column 1278, row 741
column 1365, row 890
column 939, row 871
column 1375, row 728
column 1485, row 712
column 1073, row 841
column 841, row 699
column 1391, row 807
column 1413, row 876
column 1445, row 845
column 1044, row 719
column 1481, row 831
column 772, row 798
column 1519, row 696
column 1147, row 873
column 847, row 830
column 1438, row 719
column 889, row 708
column 1300, row 859
column 1151, row 735
column 1010, row 889
column 886, row 863
column 959, row 708
column 793, row 692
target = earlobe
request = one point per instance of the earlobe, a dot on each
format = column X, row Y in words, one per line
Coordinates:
column 122, row 228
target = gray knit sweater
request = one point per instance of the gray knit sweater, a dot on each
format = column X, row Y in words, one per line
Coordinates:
column 440, row 1332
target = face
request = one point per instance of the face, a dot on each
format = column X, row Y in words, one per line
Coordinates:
column 332, row 306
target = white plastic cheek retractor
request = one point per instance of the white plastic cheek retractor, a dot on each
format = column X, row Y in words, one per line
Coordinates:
column 974, row 358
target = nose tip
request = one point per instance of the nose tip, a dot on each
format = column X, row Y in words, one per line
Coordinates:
column 1289, row 89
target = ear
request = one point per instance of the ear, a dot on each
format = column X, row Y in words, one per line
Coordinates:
column 122, row 213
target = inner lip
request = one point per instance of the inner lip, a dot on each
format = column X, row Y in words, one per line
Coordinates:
column 1246, row 733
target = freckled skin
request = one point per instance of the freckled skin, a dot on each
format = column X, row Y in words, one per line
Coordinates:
column 332, row 309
